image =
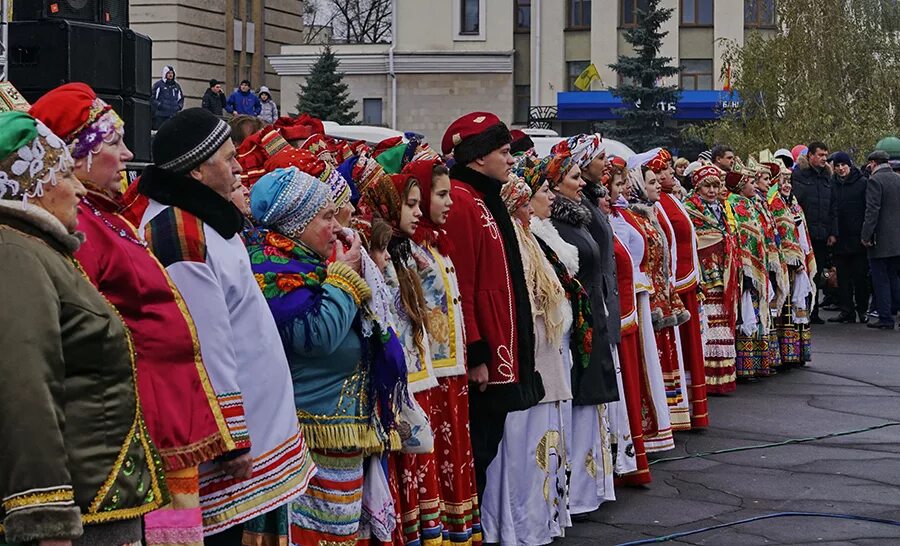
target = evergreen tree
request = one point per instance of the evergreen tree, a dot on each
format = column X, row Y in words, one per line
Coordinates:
column 649, row 107
column 325, row 94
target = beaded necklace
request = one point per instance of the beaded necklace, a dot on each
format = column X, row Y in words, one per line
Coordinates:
column 121, row 232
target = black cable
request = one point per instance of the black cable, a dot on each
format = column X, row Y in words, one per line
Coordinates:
column 673, row 536
column 775, row 444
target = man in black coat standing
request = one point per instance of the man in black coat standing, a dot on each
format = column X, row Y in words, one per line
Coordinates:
column 812, row 187
column 214, row 98
column 881, row 234
column 848, row 210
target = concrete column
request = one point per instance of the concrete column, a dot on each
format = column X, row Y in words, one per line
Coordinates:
column 728, row 18
column 548, row 67
column 670, row 42
column 604, row 41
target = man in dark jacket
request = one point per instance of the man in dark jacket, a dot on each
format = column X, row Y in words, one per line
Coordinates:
column 848, row 210
column 812, row 187
column 214, row 98
column 881, row 234
column 243, row 101
column 166, row 100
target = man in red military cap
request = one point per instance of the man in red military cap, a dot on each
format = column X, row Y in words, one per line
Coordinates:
column 496, row 309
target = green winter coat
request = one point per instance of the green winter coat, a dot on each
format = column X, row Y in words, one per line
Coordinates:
column 75, row 452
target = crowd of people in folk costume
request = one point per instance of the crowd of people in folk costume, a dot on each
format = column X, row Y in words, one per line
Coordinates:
column 321, row 342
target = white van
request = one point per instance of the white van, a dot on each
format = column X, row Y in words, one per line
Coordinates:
column 369, row 133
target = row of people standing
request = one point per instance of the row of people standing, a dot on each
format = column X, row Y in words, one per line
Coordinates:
column 369, row 346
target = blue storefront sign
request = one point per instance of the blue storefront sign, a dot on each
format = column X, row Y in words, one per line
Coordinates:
column 599, row 105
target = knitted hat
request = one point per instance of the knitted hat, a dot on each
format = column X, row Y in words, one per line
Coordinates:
column 80, row 118
column 30, row 156
column 474, row 136
column 515, row 193
column 842, row 158
column 703, row 174
column 585, row 148
column 310, row 164
column 705, row 157
column 188, row 139
column 288, row 200
column 255, row 150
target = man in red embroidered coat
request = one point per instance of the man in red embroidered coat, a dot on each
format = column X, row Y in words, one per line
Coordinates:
column 496, row 309
column 687, row 271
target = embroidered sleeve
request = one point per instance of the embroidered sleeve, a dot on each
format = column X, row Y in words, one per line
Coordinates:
column 342, row 276
column 176, row 236
column 35, row 486
column 205, row 300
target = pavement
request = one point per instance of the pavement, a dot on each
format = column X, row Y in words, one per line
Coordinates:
column 853, row 382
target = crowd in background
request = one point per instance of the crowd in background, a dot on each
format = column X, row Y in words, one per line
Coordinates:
column 278, row 337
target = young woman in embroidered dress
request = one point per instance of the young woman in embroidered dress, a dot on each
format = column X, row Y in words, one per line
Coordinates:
column 183, row 415
column 525, row 501
column 396, row 199
column 633, row 215
column 634, row 383
column 316, row 307
column 450, row 401
column 792, row 322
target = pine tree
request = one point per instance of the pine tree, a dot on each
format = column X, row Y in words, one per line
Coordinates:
column 325, row 94
column 649, row 107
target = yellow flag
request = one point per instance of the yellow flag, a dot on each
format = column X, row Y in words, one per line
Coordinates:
column 584, row 80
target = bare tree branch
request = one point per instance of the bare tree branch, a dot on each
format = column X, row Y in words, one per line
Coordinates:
column 362, row 21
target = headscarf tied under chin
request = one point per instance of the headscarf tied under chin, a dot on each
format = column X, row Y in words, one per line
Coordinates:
column 428, row 232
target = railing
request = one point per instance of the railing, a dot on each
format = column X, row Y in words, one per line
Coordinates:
column 541, row 117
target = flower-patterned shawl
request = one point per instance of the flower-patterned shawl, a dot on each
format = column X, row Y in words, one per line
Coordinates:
column 743, row 218
column 774, row 262
column 786, row 225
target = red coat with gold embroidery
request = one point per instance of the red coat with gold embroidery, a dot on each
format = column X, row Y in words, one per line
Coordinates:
column 182, row 415
column 686, row 261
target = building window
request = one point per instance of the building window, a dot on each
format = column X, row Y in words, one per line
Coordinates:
column 759, row 13
column 628, row 16
column 573, row 70
column 696, row 74
column 523, row 15
column 522, row 103
column 579, row 14
column 697, row 13
column 372, row 112
column 469, row 16
column 249, row 7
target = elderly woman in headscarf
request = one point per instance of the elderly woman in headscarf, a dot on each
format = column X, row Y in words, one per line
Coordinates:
column 593, row 382
column 183, row 415
column 525, row 501
column 70, row 417
column 316, row 306
column 717, row 251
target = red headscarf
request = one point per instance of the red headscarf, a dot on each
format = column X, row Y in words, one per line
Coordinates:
column 428, row 231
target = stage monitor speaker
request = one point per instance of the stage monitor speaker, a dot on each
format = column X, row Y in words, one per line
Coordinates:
column 86, row 11
column 101, row 12
column 114, row 12
column 137, row 63
column 46, row 54
column 135, row 112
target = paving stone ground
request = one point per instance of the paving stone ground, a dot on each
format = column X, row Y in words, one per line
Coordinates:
column 853, row 382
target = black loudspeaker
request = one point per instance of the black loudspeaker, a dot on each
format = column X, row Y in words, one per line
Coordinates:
column 114, row 12
column 46, row 54
column 137, row 65
column 115, row 62
column 135, row 112
column 103, row 12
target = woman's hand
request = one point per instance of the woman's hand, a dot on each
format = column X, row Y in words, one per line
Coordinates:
column 348, row 250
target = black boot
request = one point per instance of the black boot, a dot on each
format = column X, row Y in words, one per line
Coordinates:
column 844, row 318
